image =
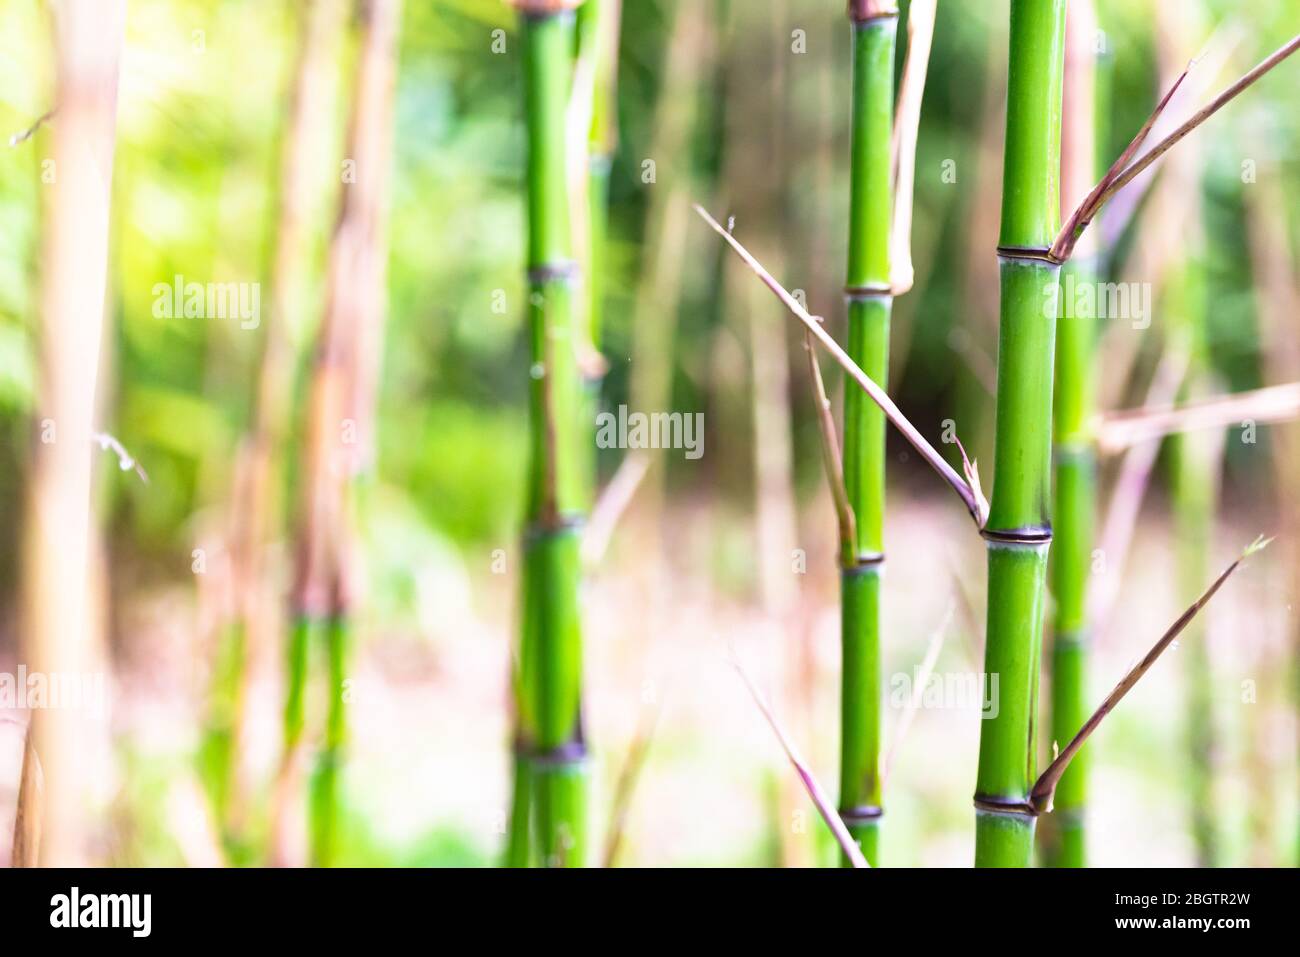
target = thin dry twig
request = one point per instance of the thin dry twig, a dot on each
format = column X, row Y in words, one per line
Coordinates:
column 878, row 395
column 907, row 121
column 831, row 458
column 611, row 505
column 971, row 618
column 1091, row 204
column 1040, row 797
column 815, row 792
column 1123, row 206
column 922, row 678
column 1121, row 430
column 23, row 136
column 125, row 460
column 1130, row 488
column 1125, row 169
column 628, row 777
column 27, row 813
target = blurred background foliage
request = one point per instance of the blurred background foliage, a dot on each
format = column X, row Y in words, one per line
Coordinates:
column 200, row 111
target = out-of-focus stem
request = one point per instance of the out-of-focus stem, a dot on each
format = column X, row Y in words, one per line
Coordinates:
column 1074, row 453
column 339, row 443
column 59, row 622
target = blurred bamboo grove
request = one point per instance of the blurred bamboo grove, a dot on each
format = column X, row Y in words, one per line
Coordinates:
column 317, row 492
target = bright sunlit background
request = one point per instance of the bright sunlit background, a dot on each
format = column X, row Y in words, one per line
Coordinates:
column 728, row 556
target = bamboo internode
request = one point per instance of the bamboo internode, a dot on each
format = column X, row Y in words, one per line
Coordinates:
column 1018, row 531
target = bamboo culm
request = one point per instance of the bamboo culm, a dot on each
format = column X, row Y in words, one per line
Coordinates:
column 1073, row 513
column 1074, row 455
column 1195, row 461
column 1018, row 533
column 551, row 766
column 343, row 385
column 875, row 30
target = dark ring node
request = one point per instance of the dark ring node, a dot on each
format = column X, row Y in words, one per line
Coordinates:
column 864, row 563
column 864, row 812
column 563, row 523
column 563, row 271
column 1018, row 536
column 1000, row 805
column 871, row 291
column 574, row 752
column 1031, row 253
column 873, row 18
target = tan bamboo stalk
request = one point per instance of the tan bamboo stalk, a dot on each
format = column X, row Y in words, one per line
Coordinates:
column 58, row 621
column 256, row 509
column 658, row 292
column 27, row 815
column 339, row 438
column 1276, row 269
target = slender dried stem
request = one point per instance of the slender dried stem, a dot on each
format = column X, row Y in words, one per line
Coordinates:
column 831, row 458
column 818, row 796
column 1122, row 173
column 1121, row 430
column 628, row 778
column 611, row 505
column 921, row 679
column 1041, row 796
column 27, row 813
column 927, row 451
column 1129, row 489
column 23, row 136
column 907, row 121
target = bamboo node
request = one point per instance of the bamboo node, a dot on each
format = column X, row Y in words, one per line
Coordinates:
column 1073, row 638
column 564, row 270
column 865, row 563
column 544, row 8
column 1083, row 452
column 1000, row 805
column 870, row 291
column 572, row 753
column 1030, row 253
column 862, row 813
column 553, row 524
column 865, row 11
column 1035, row 535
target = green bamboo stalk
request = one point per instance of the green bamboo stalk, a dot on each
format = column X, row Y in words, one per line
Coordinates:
column 1074, row 455
column 325, row 782
column 343, row 384
column 217, row 748
column 875, row 29
column 1194, row 495
column 1194, row 463
column 598, row 32
column 1017, row 532
column 256, row 504
column 549, row 735
column 1073, row 515
column 591, row 126
column 301, row 641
